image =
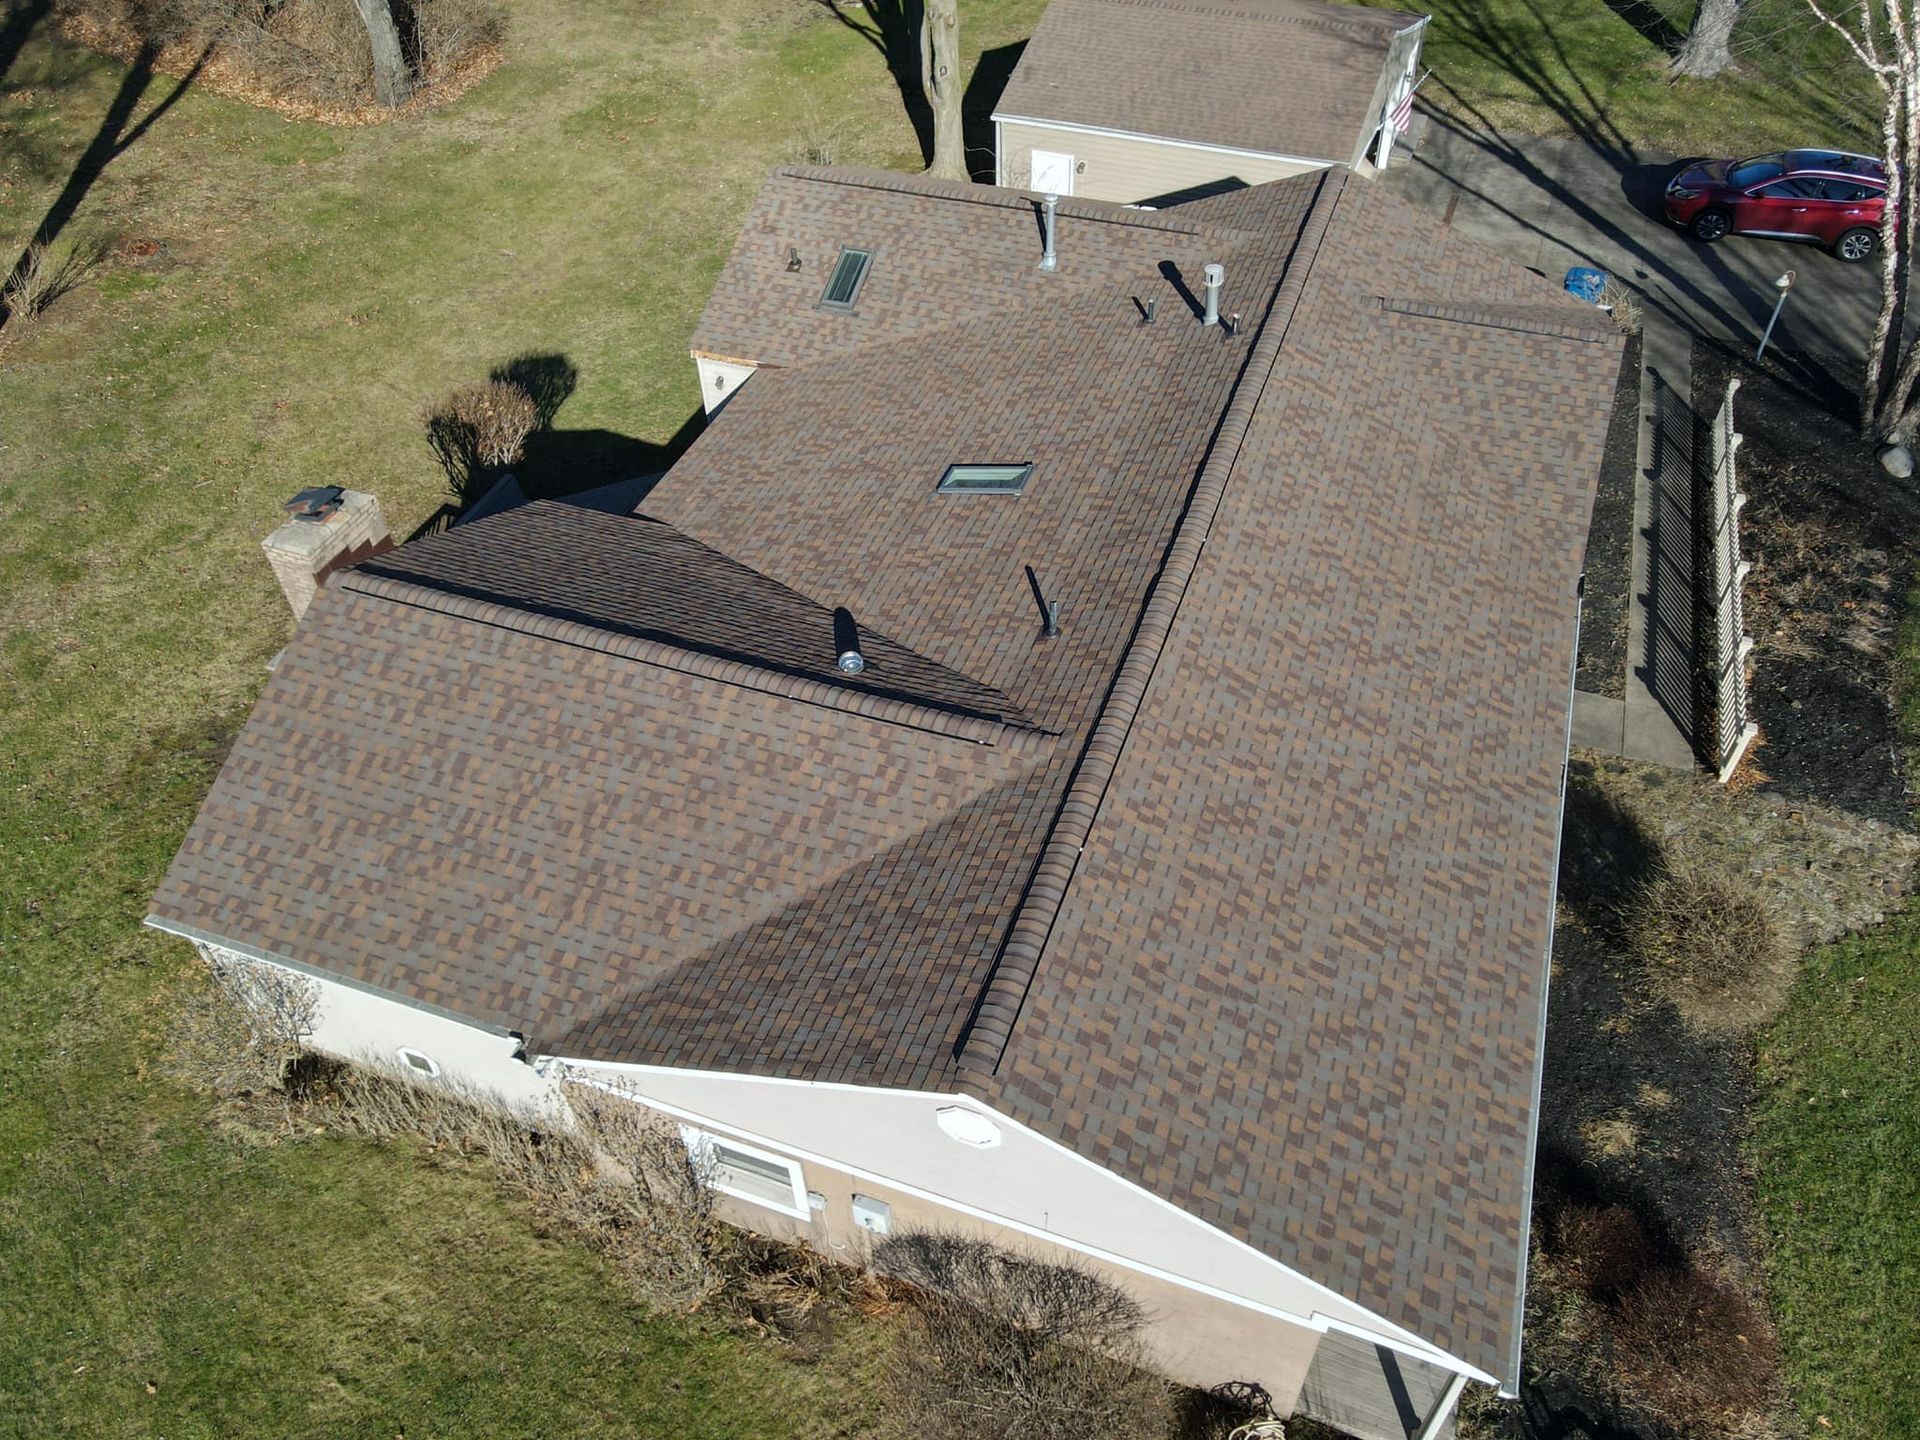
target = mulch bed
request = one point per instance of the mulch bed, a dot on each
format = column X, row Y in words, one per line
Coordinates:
column 1603, row 613
column 1833, row 539
column 221, row 76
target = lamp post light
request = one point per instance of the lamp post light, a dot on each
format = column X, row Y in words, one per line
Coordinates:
column 1783, row 285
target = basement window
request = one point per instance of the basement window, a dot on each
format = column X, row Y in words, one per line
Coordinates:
column 985, row 479
column 418, row 1063
column 749, row 1173
column 849, row 273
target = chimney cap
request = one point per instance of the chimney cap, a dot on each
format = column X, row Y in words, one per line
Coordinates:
column 315, row 503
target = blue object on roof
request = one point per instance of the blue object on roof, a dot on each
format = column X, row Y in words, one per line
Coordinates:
column 1587, row 283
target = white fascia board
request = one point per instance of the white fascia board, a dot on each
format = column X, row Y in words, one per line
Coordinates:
column 1074, row 129
column 267, row 957
column 1393, row 1336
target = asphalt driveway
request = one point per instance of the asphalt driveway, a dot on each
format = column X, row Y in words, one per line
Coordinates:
column 1551, row 204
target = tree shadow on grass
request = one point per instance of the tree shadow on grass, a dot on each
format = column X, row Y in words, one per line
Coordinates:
column 114, row 136
column 892, row 27
column 984, row 88
column 19, row 24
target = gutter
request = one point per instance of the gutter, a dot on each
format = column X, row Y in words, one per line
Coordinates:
column 990, row 1028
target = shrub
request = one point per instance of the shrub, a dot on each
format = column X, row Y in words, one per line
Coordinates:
column 620, row 1178
column 1605, row 1250
column 238, row 1029
column 1693, row 1351
column 38, row 279
column 1709, row 945
column 310, row 52
column 478, row 431
column 999, row 1346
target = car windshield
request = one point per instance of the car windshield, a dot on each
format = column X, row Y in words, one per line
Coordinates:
column 1757, row 171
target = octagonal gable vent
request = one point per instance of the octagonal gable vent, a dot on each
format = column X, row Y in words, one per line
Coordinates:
column 968, row 1126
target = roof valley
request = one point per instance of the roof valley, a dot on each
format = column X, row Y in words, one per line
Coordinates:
column 989, row 1029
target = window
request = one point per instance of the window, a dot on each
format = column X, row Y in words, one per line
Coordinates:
column 1803, row 187
column 749, row 1173
column 985, row 479
column 416, row 1062
column 849, row 273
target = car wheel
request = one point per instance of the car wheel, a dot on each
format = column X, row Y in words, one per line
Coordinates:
column 1709, row 225
column 1856, row 245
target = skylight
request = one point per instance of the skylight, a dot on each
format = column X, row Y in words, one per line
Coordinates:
column 843, row 287
column 985, row 479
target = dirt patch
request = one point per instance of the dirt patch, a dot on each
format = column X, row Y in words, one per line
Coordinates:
column 1603, row 610
column 1832, row 540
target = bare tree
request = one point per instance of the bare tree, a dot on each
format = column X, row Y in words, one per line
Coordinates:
column 1705, row 52
column 940, row 78
column 1884, row 36
column 392, row 80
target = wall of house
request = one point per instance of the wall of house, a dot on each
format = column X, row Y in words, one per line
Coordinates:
column 1132, row 169
column 719, row 379
column 1225, row 1311
column 359, row 1025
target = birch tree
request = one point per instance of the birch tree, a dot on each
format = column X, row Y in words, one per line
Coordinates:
column 1706, row 52
column 1884, row 36
column 940, row 79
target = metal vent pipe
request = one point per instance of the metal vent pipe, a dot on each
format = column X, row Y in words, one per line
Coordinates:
column 1049, row 260
column 1213, row 277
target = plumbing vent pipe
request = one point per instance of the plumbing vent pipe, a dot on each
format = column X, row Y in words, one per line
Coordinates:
column 1213, row 277
column 846, row 643
column 1049, row 260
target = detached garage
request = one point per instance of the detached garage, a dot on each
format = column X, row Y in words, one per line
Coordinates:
column 1153, row 101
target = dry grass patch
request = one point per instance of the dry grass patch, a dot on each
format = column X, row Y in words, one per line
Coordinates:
column 1709, row 945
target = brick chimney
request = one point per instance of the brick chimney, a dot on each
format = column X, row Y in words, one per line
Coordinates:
column 329, row 529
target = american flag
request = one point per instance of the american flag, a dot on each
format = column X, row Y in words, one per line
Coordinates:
column 1402, row 116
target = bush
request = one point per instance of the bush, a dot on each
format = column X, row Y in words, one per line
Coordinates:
column 1694, row 1351
column 620, row 1178
column 999, row 1346
column 1709, row 945
column 312, row 52
column 239, row 1028
column 38, row 279
column 478, row 431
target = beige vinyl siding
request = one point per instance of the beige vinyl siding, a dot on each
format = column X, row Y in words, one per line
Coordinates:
column 1129, row 169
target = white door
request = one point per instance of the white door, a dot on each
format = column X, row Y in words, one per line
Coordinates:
column 1052, row 173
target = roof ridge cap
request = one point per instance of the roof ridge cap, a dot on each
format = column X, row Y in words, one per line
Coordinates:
column 990, row 1027
column 1000, row 197
column 1357, row 26
column 742, row 674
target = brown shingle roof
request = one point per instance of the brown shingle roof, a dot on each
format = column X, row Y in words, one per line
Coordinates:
column 1286, row 77
column 944, row 255
column 1298, row 980
column 1270, row 826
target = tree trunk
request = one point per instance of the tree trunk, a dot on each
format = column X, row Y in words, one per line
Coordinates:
column 392, row 81
column 940, row 78
column 1705, row 53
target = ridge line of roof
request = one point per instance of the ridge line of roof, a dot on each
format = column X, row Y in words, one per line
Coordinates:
column 739, row 673
column 990, row 1028
column 999, row 197
column 1366, row 23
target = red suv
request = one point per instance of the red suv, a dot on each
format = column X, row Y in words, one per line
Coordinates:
column 1827, row 196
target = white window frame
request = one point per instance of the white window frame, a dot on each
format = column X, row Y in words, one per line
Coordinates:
column 700, row 1145
column 430, row 1071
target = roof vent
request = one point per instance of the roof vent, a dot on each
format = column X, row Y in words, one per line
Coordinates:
column 1212, row 277
column 846, row 643
column 1049, row 259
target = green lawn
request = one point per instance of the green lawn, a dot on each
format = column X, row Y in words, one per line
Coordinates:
column 1577, row 67
column 286, row 298
column 1837, row 1150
